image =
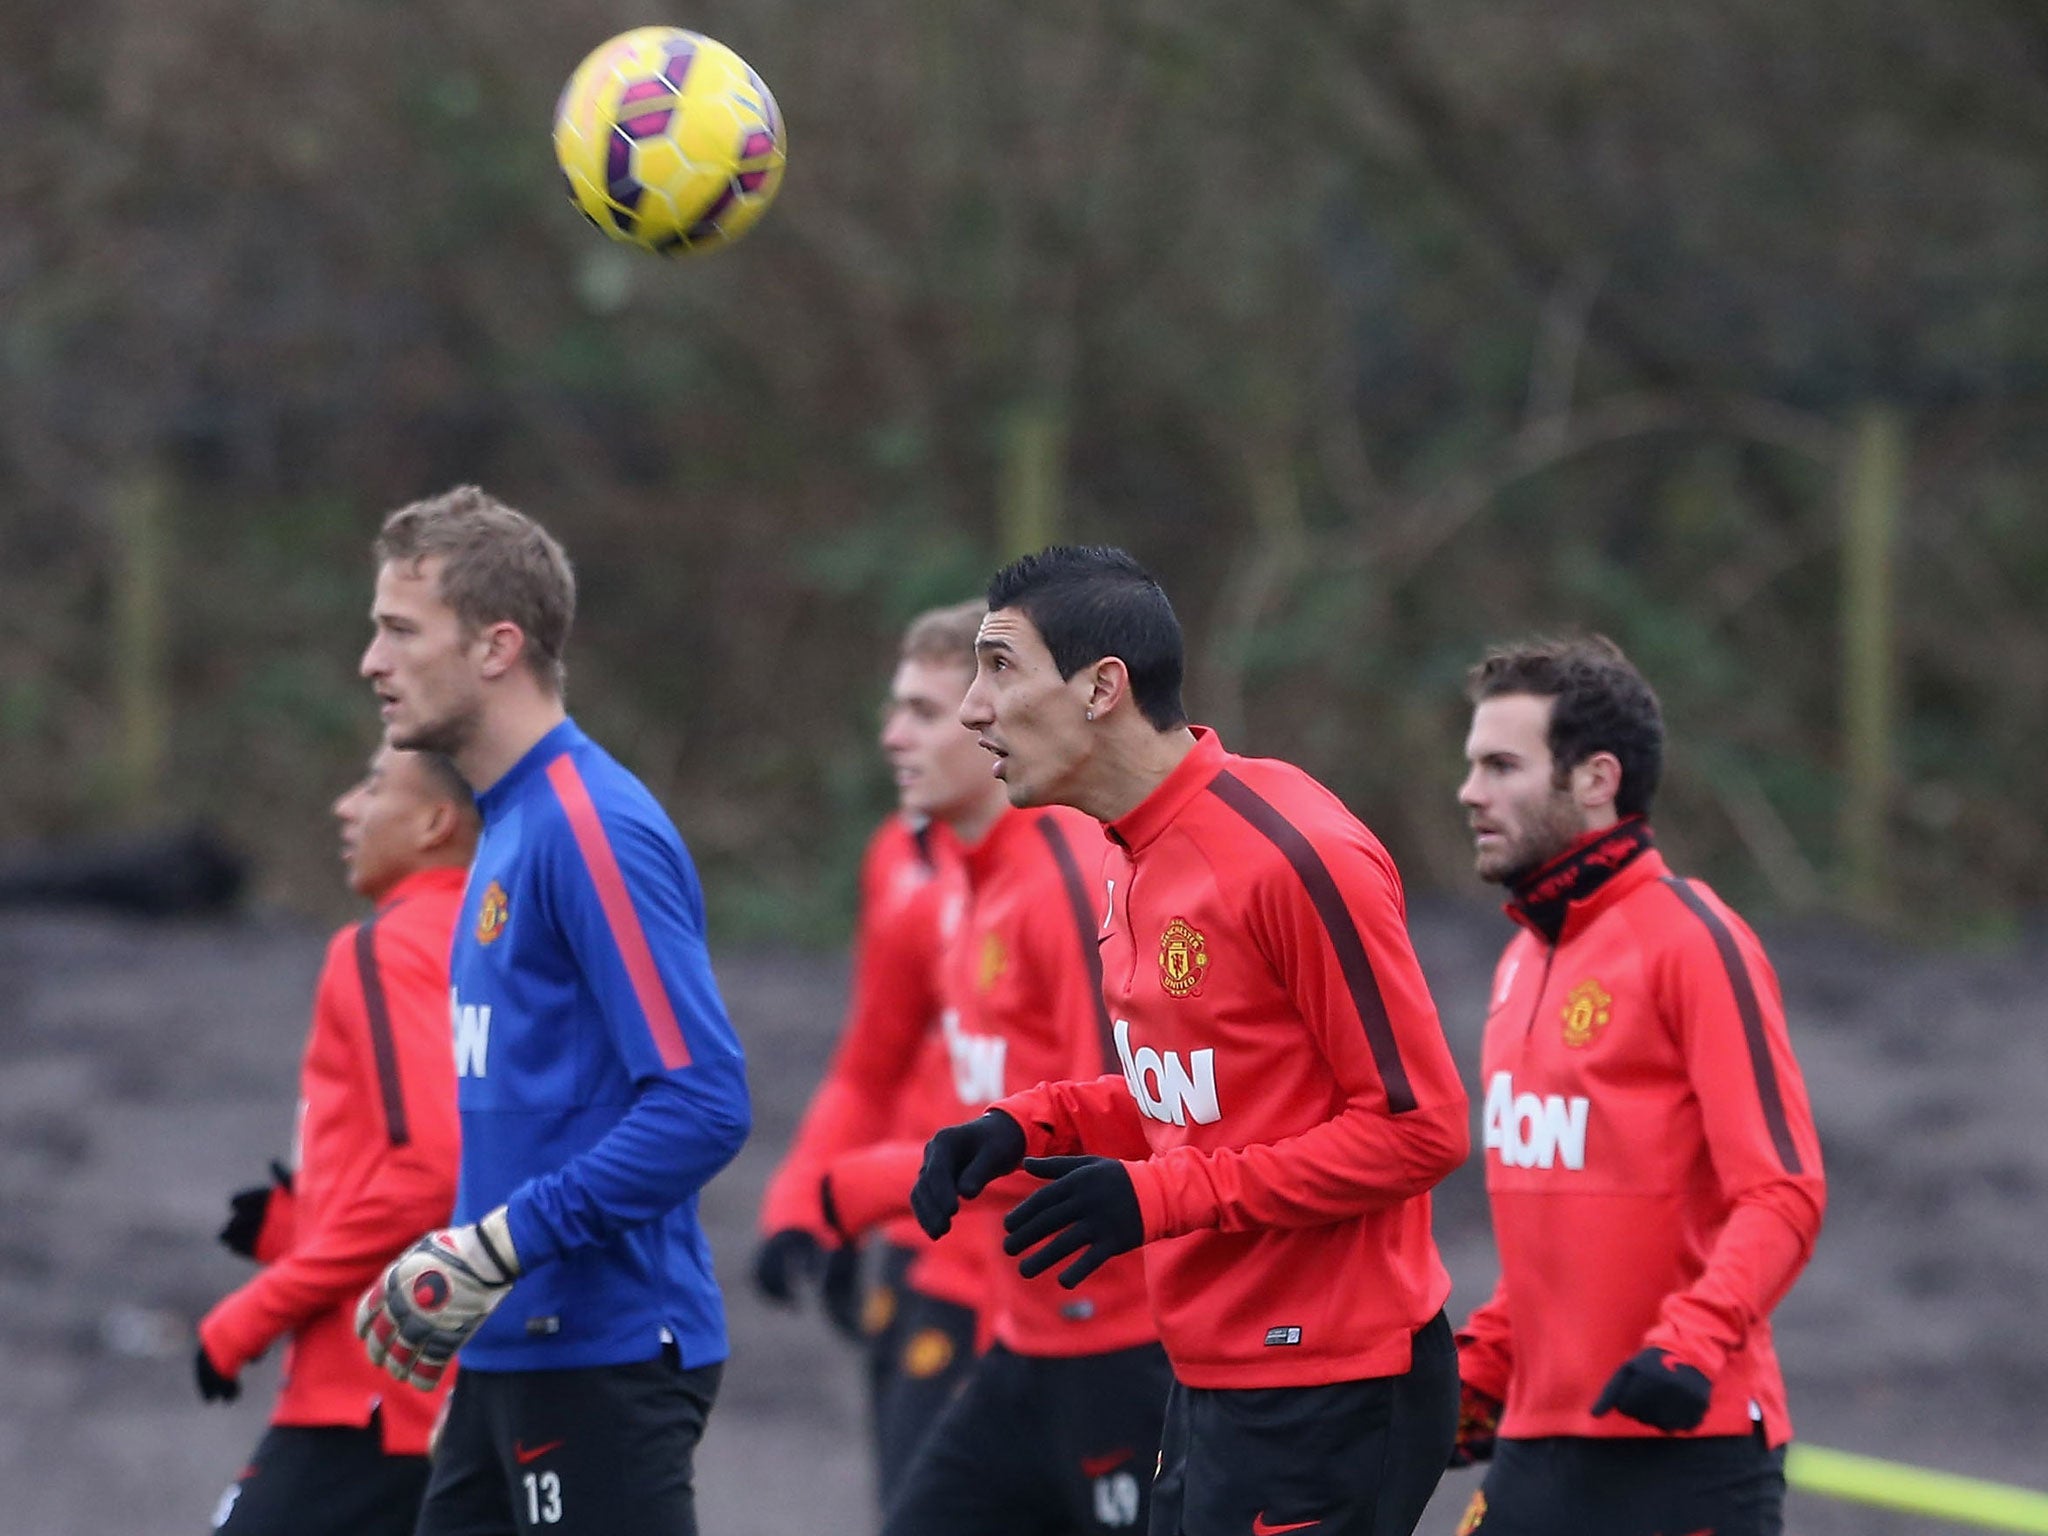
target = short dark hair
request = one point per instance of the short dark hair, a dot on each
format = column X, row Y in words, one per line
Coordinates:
column 447, row 781
column 1088, row 602
column 1601, row 704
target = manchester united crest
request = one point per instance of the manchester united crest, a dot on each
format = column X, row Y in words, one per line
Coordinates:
column 878, row 1311
column 993, row 961
column 1585, row 1013
column 929, row 1352
column 1183, row 959
column 490, row 917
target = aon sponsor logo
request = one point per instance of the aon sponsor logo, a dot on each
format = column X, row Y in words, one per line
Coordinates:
column 1165, row 1088
column 977, row 1061
column 1535, row 1133
column 472, row 1035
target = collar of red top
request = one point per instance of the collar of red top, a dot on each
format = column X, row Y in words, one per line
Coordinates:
column 1155, row 813
column 1547, row 895
column 442, row 877
column 990, row 852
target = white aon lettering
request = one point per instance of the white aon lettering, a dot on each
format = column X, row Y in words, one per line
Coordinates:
column 1165, row 1088
column 977, row 1061
column 1532, row 1132
column 472, row 1035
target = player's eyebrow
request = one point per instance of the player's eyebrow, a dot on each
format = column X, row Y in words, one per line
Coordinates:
column 995, row 644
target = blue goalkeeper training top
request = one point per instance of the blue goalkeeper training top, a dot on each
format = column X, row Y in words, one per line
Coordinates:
column 600, row 1081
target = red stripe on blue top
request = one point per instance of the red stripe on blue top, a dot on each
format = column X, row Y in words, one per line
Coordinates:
column 617, row 902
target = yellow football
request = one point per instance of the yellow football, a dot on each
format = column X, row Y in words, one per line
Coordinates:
column 669, row 141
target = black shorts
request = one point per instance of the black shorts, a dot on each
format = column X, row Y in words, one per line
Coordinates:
column 1038, row 1446
column 920, row 1350
column 323, row 1480
column 595, row 1452
column 1732, row 1485
column 1356, row 1458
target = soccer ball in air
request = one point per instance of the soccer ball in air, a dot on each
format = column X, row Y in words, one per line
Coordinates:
column 669, row 140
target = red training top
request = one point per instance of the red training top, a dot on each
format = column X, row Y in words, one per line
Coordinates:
column 1022, row 988
column 1287, row 1097
column 890, row 1077
column 378, row 1151
column 1651, row 1158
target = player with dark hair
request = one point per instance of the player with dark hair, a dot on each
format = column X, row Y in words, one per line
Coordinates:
column 1651, row 1161
column 600, row 1084
column 1286, row 1100
column 1055, row 1429
column 891, row 1077
column 373, row 1167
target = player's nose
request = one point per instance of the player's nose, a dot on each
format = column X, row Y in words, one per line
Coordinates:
column 974, row 710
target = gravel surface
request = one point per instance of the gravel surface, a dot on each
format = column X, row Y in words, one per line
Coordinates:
column 150, row 1068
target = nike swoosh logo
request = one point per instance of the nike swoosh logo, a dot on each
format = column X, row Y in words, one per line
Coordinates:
column 1097, row 1466
column 523, row 1454
column 1262, row 1527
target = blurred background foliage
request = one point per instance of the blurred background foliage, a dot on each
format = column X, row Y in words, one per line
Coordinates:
column 1379, row 330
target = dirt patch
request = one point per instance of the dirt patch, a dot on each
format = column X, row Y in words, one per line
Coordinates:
column 150, row 1069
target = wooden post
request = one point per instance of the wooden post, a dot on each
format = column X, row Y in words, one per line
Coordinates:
column 138, row 506
column 1031, row 489
column 1874, row 487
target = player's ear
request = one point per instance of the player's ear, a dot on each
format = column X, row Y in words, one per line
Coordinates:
column 438, row 823
column 1596, row 781
column 504, row 644
column 1108, row 684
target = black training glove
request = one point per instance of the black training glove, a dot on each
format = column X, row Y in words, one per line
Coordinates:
column 1090, row 1204
column 213, row 1387
column 247, row 1209
column 840, row 1290
column 1478, row 1426
column 959, row 1163
column 787, row 1261
column 1656, row 1390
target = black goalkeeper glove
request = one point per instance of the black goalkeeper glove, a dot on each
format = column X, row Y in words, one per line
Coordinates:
column 785, row 1263
column 1656, row 1390
column 959, row 1162
column 1089, row 1208
column 246, row 1210
column 213, row 1387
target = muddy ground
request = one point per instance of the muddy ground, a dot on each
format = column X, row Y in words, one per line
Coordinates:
column 146, row 1069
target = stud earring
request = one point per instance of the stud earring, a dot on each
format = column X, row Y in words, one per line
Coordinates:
column 1091, row 714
